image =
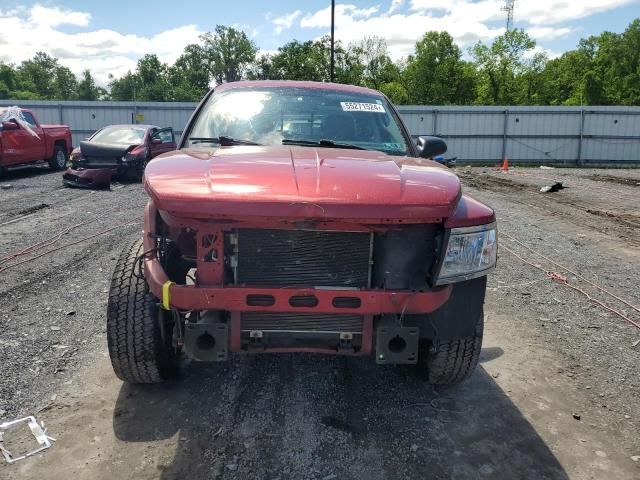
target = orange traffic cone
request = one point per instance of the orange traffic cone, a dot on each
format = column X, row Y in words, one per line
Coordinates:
column 505, row 164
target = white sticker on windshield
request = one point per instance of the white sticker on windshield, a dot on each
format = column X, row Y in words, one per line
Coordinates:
column 362, row 107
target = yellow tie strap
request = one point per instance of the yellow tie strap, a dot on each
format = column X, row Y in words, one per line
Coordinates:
column 166, row 294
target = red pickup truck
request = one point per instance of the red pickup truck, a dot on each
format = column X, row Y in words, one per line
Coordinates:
column 302, row 217
column 24, row 140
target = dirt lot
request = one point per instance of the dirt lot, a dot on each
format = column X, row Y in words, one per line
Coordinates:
column 557, row 394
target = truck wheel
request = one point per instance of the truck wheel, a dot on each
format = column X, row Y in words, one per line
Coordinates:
column 452, row 361
column 139, row 332
column 58, row 160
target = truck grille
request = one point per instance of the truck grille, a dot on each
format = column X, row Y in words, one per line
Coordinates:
column 303, row 258
column 301, row 322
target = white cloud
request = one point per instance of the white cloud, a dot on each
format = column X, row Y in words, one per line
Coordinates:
column 538, row 12
column 431, row 4
column 546, row 12
column 52, row 17
column 468, row 21
column 395, row 5
column 549, row 33
column 25, row 31
column 401, row 31
column 322, row 18
column 285, row 22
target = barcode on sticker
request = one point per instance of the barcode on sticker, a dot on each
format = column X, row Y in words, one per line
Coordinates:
column 361, row 107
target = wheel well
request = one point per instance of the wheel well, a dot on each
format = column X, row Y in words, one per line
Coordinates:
column 60, row 143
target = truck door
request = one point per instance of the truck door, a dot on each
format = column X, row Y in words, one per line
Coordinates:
column 35, row 146
column 14, row 143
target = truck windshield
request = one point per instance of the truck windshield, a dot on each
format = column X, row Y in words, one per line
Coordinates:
column 119, row 135
column 298, row 116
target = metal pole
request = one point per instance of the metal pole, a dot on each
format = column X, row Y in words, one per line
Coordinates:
column 504, row 134
column 333, row 51
column 580, row 139
column 134, row 120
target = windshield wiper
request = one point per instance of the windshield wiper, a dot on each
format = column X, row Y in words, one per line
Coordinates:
column 222, row 140
column 321, row 143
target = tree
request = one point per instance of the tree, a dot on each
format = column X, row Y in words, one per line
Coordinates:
column 298, row 61
column 189, row 75
column 396, row 92
column 230, row 53
column 87, row 89
column 7, row 80
column 38, row 75
column 377, row 67
column 262, row 69
column 436, row 73
column 65, row 84
column 123, row 88
column 499, row 66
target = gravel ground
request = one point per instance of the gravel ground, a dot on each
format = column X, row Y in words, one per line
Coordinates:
column 556, row 395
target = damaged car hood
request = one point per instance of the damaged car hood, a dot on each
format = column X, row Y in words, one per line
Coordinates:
column 110, row 150
column 301, row 182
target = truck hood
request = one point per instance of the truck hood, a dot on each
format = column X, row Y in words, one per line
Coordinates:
column 301, row 183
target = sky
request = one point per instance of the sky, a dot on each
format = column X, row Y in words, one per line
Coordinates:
column 108, row 37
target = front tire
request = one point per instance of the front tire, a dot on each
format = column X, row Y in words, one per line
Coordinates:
column 139, row 351
column 58, row 160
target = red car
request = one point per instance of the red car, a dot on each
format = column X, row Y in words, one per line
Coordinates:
column 117, row 150
column 302, row 217
column 24, row 140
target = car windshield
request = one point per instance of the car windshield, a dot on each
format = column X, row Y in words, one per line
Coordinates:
column 273, row 116
column 124, row 135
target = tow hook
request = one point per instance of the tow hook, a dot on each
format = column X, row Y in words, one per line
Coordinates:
column 395, row 345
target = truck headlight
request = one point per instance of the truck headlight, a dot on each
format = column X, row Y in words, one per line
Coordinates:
column 471, row 253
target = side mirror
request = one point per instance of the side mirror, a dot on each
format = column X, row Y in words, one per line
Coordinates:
column 430, row 147
column 10, row 126
column 156, row 141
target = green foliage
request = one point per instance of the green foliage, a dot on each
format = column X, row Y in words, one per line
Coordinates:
column 229, row 52
column 502, row 68
column 87, row 89
column 436, row 74
column 602, row 70
column 396, row 92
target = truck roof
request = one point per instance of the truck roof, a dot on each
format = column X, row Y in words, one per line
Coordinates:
column 299, row 84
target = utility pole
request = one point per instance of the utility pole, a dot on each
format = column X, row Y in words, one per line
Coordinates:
column 508, row 7
column 333, row 49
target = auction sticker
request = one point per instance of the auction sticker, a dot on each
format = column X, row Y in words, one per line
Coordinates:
column 361, row 107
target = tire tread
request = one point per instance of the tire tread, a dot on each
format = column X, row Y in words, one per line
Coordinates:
column 133, row 332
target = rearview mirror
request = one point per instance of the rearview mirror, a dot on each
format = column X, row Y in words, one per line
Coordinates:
column 429, row 147
column 10, row 126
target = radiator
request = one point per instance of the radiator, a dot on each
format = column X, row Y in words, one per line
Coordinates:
column 302, row 258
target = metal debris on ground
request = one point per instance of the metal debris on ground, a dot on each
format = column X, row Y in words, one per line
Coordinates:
column 39, row 432
column 556, row 187
column 545, row 167
column 636, row 343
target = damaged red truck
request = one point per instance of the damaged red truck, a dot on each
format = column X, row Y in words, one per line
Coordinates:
column 24, row 140
column 302, row 217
